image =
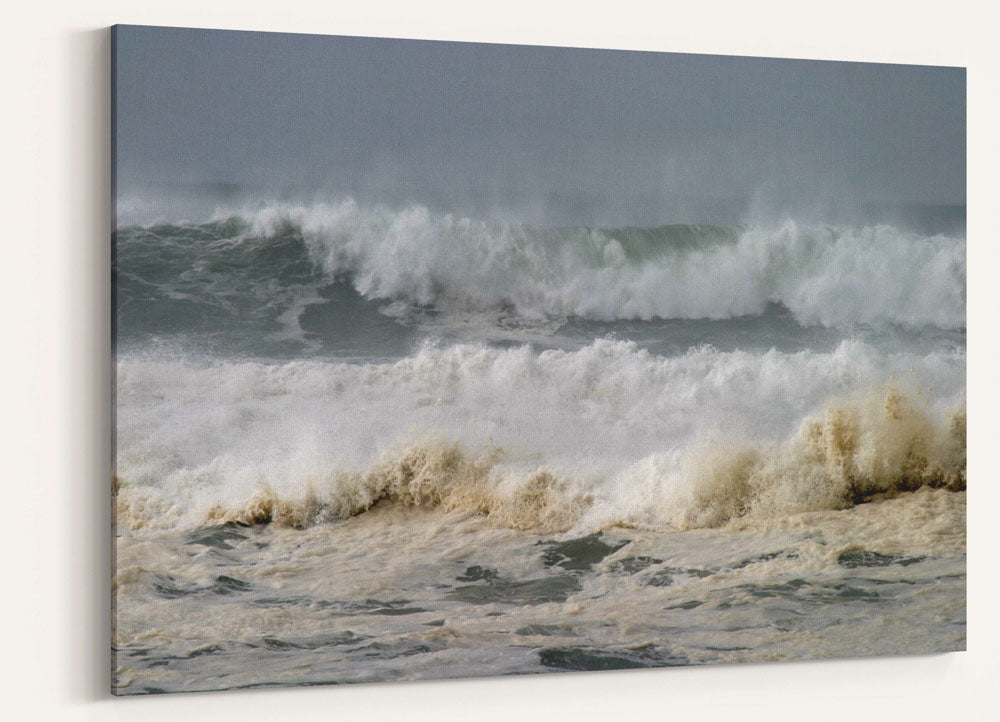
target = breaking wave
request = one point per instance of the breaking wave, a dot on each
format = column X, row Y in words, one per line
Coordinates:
column 834, row 276
column 880, row 443
column 608, row 435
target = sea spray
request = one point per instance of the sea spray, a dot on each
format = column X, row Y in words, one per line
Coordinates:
column 266, row 257
column 882, row 441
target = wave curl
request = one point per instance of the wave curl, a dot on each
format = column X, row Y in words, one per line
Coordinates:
column 828, row 275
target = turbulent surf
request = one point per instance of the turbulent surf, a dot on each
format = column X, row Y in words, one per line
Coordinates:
column 408, row 445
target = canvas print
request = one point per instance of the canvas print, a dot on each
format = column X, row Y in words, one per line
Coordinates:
column 443, row 359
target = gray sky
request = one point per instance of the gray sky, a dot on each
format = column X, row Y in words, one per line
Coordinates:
column 571, row 134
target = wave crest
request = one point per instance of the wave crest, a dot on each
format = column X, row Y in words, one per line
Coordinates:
column 828, row 275
column 433, row 475
column 834, row 276
column 882, row 443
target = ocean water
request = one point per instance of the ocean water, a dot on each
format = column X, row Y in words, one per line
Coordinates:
column 360, row 443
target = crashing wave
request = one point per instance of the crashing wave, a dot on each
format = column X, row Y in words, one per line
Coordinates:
column 879, row 443
column 829, row 275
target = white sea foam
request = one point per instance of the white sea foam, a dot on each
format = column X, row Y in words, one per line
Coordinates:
column 835, row 276
column 607, row 434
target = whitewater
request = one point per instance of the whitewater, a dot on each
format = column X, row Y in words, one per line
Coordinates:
column 362, row 443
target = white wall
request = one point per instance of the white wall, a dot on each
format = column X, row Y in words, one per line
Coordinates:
column 54, row 263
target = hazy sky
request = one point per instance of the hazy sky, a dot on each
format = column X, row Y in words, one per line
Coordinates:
column 629, row 137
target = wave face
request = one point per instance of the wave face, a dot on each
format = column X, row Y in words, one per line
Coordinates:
column 261, row 270
column 608, row 434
